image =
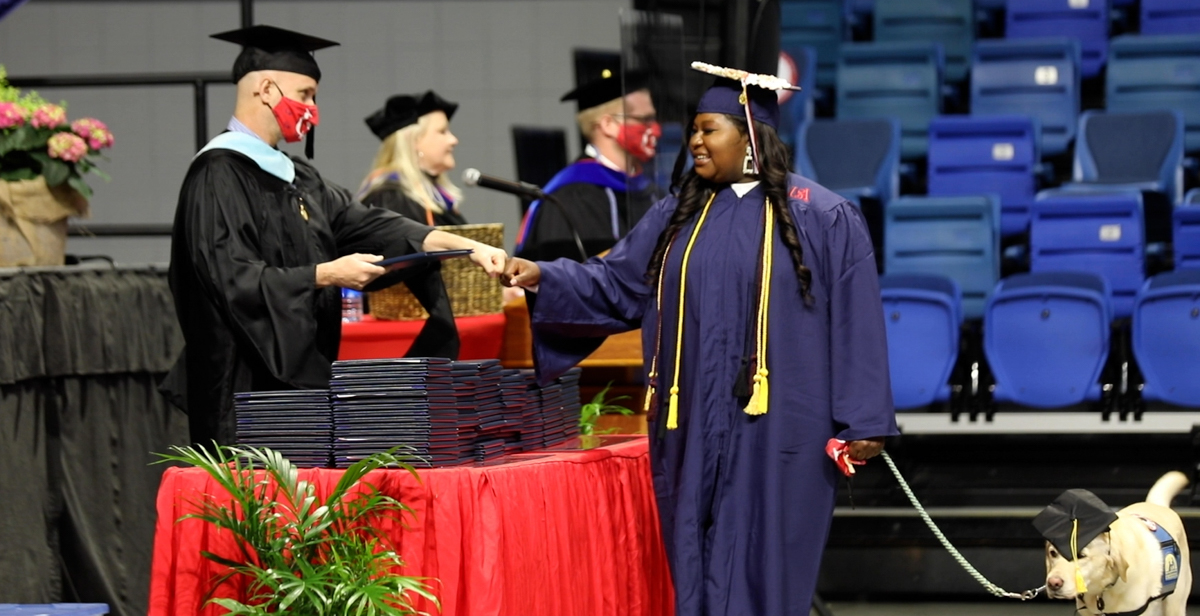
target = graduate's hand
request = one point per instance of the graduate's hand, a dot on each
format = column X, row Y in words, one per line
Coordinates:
column 351, row 271
column 865, row 449
column 522, row 273
column 490, row 258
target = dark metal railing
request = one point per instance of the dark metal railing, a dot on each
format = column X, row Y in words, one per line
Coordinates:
column 199, row 83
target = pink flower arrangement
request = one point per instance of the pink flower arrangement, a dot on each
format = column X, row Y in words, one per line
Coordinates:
column 67, row 146
column 37, row 141
column 11, row 115
column 96, row 132
column 49, row 116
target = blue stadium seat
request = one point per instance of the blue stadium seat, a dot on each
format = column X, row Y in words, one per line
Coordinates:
column 1166, row 337
column 1085, row 20
column 1151, row 73
column 1100, row 233
column 820, row 24
column 1141, row 150
column 949, row 22
column 900, row 80
column 854, row 158
column 923, row 314
column 797, row 107
column 1185, row 231
column 996, row 154
column 1046, row 336
column 1170, row 17
column 958, row 237
column 1037, row 78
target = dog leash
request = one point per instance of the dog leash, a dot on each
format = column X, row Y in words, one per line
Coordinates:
column 983, row 581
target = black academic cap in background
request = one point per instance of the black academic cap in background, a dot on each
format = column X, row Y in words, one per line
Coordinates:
column 404, row 109
column 271, row 48
column 607, row 86
column 1057, row 521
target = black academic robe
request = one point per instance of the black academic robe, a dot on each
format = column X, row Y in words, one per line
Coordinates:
column 590, row 208
column 392, row 197
column 745, row 501
column 244, row 252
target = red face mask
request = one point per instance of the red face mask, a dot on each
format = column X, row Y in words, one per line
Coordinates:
column 294, row 117
column 640, row 140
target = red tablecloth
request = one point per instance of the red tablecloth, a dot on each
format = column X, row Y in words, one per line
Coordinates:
column 481, row 337
column 569, row 534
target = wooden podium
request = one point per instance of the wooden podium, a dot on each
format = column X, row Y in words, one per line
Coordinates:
column 619, row 351
column 617, row 361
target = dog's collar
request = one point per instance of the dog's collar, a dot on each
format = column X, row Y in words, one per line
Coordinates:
column 1170, row 568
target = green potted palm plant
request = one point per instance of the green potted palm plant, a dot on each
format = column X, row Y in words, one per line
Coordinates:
column 590, row 413
column 298, row 552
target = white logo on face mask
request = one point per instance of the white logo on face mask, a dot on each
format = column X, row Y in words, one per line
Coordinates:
column 649, row 141
column 304, row 122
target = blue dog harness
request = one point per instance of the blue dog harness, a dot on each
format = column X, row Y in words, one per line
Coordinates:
column 1170, row 568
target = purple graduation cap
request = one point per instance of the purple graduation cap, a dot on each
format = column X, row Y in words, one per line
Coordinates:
column 737, row 92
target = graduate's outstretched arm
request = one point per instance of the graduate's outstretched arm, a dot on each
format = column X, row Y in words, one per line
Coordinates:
column 521, row 273
column 490, row 258
column 351, row 271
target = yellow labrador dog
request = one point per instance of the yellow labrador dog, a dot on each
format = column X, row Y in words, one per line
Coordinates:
column 1127, row 568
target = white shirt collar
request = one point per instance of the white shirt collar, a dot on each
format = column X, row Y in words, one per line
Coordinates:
column 741, row 188
column 591, row 150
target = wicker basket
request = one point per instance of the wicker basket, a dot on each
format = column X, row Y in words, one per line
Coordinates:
column 472, row 292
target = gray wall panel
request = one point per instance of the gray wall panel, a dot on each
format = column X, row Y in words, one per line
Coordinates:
column 505, row 61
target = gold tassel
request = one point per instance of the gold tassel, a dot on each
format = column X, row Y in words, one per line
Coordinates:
column 649, row 397
column 673, row 410
column 764, row 394
column 758, row 403
column 1080, row 585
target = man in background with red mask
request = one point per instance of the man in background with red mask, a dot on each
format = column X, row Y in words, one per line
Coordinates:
column 262, row 247
column 603, row 194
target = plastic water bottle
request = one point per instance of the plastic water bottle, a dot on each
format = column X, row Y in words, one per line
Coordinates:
column 352, row 306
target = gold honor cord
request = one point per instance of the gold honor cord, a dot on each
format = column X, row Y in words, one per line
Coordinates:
column 759, row 398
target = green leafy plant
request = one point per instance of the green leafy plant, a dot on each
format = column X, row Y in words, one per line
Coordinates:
column 36, row 140
column 592, row 411
column 298, row 553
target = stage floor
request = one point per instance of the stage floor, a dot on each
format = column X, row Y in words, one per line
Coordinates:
column 1041, row 607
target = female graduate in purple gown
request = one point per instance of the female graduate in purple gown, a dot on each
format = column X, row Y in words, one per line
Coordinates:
column 763, row 332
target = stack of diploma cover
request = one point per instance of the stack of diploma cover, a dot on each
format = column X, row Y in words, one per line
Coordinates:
column 297, row 424
column 379, row 404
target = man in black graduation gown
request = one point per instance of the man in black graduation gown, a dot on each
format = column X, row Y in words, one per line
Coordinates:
column 262, row 246
column 603, row 194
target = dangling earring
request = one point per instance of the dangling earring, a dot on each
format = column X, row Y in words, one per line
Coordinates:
column 748, row 162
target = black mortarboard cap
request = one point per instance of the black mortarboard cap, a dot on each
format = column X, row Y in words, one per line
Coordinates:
column 608, row 85
column 404, row 109
column 271, row 48
column 1057, row 521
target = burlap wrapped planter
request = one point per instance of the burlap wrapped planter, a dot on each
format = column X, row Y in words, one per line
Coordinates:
column 33, row 222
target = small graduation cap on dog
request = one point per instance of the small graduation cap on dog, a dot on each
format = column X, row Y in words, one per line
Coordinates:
column 1071, row 522
column 276, row 49
column 741, row 92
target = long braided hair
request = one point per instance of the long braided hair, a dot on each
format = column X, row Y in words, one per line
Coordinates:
column 693, row 192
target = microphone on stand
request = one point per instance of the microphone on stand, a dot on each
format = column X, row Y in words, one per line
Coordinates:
column 472, row 177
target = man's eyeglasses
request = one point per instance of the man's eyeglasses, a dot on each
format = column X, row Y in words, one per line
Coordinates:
column 640, row 119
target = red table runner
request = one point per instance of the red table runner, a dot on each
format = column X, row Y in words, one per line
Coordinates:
column 481, row 337
column 568, row 534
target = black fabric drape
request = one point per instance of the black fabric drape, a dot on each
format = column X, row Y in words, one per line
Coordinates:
column 81, row 352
